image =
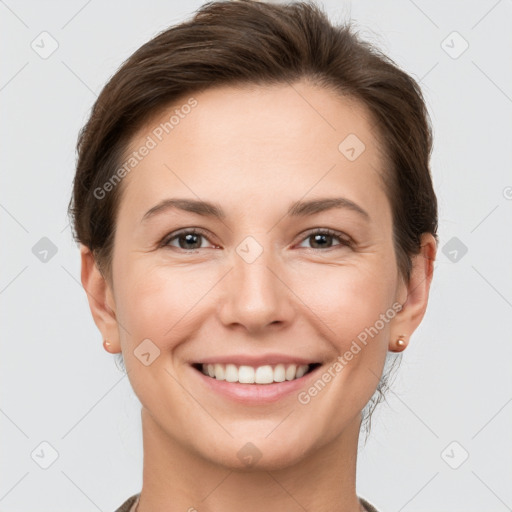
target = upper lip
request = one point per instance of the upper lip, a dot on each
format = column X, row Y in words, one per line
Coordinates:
column 255, row 361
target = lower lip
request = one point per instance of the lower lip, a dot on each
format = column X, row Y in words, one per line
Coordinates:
column 256, row 393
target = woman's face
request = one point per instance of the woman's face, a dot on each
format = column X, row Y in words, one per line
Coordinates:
column 255, row 286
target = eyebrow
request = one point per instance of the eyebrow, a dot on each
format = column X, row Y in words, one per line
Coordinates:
column 297, row 209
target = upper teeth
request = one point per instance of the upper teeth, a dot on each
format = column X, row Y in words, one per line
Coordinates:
column 249, row 375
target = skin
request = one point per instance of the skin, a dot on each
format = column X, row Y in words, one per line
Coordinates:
column 254, row 151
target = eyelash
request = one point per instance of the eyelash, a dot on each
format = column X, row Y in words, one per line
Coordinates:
column 344, row 242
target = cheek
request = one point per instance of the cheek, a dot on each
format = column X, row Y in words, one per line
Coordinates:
column 348, row 299
column 159, row 302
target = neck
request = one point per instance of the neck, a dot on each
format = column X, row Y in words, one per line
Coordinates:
column 176, row 478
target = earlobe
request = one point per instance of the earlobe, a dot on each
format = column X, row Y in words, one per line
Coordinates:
column 99, row 296
column 415, row 304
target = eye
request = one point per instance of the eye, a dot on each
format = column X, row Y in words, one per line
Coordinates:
column 190, row 239
column 322, row 238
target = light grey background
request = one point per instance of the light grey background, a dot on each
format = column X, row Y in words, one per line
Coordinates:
column 59, row 386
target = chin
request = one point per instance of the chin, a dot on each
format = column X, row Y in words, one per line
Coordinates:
column 260, row 454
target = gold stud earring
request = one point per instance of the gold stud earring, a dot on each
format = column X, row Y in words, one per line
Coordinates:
column 106, row 345
column 400, row 343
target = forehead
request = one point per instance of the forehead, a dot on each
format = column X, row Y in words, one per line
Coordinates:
column 279, row 140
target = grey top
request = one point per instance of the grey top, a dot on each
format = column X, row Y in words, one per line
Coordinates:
column 131, row 503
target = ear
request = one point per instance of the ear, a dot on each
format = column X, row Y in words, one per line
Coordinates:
column 414, row 295
column 101, row 299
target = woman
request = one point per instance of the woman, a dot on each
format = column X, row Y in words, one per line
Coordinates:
column 257, row 227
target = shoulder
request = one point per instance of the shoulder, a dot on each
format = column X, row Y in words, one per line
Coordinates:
column 130, row 504
column 368, row 507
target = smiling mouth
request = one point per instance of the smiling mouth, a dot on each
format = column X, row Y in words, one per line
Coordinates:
column 266, row 374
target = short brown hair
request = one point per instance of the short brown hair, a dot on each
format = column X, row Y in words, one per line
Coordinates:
column 248, row 42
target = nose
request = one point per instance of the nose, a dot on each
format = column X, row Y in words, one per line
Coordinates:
column 254, row 297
